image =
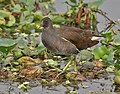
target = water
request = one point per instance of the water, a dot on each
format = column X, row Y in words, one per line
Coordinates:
column 111, row 7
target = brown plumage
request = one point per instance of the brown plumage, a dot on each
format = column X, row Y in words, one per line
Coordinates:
column 65, row 40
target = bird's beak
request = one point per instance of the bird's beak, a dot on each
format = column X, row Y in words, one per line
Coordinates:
column 95, row 38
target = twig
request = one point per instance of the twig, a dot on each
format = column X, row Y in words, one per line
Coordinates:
column 104, row 14
column 111, row 22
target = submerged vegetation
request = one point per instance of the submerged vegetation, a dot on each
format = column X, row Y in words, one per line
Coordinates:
column 24, row 58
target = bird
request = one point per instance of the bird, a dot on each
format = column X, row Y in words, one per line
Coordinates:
column 66, row 40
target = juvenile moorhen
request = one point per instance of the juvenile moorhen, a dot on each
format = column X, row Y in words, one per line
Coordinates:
column 65, row 40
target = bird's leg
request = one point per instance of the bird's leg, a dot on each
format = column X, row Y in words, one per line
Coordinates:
column 75, row 66
column 72, row 58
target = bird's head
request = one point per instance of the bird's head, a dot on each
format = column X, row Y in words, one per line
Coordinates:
column 47, row 22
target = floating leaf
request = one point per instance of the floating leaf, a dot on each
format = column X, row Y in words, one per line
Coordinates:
column 32, row 71
column 17, row 8
column 2, row 21
column 72, row 4
column 51, row 62
column 74, row 1
column 38, row 15
column 8, row 15
column 11, row 20
column 58, row 19
column 26, row 61
column 6, row 45
column 99, row 52
column 116, row 41
column 17, row 53
column 84, row 55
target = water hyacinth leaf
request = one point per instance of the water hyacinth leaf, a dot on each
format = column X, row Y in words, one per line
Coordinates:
column 116, row 41
column 23, row 1
column 95, row 4
column 46, row 6
column 38, row 15
column 117, row 72
column 109, row 58
column 81, row 1
column 18, row 53
column 84, row 55
column 28, row 19
column 110, row 69
column 6, row 45
column 74, row 1
column 108, row 36
column 21, row 43
column 17, row 8
column 99, row 52
column 72, row 4
column 2, row 21
column 5, row 14
column 11, row 20
column 51, row 62
column 7, row 42
column 58, row 19
column 40, row 48
column 30, row 5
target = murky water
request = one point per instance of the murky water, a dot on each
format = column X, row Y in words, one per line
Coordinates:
column 111, row 7
column 100, row 86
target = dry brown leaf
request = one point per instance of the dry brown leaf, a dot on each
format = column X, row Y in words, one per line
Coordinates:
column 98, row 64
column 32, row 71
column 28, row 61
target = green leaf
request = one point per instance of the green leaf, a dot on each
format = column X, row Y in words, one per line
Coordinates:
column 100, row 52
column 17, row 53
column 5, row 42
column 108, row 37
column 116, row 41
column 11, row 20
column 72, row 4
column 24, row 1
column 6, row 45
column 17, row 8
column 38, row 15
column 5, row 14
column 40, row 47
column 73, row 1
column 51, row 62
column 2, row 21
column 58, row 19
column 94, row 21
column 110, row 68
column 21, row 43
column 28, row 19
column 95, row 4
column 117, row 72
column 84, row 55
